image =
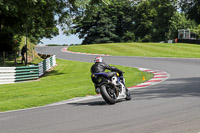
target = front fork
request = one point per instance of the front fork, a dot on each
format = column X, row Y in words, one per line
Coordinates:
column 122, row 80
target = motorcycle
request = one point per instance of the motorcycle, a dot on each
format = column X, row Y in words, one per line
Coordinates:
column 111, row 86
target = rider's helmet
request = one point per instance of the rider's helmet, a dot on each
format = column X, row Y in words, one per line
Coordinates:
column 98, row 59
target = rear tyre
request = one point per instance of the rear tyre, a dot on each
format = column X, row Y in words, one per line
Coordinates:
column 107, row 95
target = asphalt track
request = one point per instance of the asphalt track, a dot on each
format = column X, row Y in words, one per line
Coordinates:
column 172, row 106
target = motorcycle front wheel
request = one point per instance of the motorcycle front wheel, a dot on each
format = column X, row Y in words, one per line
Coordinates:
column 108, row 95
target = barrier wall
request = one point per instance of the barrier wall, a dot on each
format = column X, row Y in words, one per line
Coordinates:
column 46, row 64
column 24, row 73
column 192, row 41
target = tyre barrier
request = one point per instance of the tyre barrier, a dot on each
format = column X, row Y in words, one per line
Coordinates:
column 25, row 73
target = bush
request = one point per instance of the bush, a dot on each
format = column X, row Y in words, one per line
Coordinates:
column 53, row 45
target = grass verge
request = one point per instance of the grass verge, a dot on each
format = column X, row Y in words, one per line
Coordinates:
column 67, row 80
column 178, row 50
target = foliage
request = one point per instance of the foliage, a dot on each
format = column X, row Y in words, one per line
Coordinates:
column 99, row 31
column 153, row 20
column 37, row 18
column 34, row 17
column 102, row 24
column 143, row 20
column 196, row 30
column 129, row 21
column 97, row 21
column 53, row 45
column 9, row 41
column 191, row 8
column 180, row 21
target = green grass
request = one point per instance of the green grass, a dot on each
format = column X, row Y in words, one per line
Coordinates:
column 67, row 80
column 178, row 50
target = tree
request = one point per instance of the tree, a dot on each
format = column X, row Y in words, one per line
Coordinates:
column 126, row 21
column 98, row 30
column 36, row 17
column 196, row 30
column 106, row 23
column 144, row 17
column 165, row 12
column 191, row 8
column 153, row 20
column 180, row 21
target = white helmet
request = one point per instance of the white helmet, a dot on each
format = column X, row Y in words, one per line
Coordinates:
column 98, row 59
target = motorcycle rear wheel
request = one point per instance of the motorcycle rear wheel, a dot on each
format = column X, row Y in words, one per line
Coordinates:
column 107, row 96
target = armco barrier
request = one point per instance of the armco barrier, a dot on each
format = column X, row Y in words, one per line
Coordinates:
column 17, row 74
column 24, row 73
column 46, row 64
column 7, row 75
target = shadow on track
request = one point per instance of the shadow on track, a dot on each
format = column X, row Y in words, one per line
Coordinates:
column 94, row 103
column 183, row 87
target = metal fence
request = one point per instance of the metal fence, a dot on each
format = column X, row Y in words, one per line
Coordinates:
column 8, row 56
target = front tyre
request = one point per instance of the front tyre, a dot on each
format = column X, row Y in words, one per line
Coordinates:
column 108, row 95
column 128, row 96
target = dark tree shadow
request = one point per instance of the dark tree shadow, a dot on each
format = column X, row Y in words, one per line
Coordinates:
column 182, row 87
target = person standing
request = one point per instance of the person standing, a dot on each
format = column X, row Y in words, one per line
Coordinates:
column 23, row 51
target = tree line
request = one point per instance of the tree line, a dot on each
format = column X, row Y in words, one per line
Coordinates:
column 131, row 20
column 96, row 21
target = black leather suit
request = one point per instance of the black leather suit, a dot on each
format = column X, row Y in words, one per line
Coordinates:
column 100, row 67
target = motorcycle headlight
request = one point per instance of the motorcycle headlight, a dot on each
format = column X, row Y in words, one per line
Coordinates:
column 118, row 74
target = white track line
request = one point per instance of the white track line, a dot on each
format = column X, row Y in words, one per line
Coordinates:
column 65, row 50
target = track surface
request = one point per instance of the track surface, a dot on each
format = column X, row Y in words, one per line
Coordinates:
column 170, row 107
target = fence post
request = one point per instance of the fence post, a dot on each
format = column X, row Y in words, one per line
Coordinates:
column 51, row 61
column 44, row 66
column 15, row 58
column 40, row 69
column 54, row 60
column 4, row 58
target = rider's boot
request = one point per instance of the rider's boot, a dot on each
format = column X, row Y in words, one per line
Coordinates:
column 97, row 90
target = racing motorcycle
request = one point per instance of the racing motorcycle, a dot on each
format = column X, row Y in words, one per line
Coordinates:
column 111, row 86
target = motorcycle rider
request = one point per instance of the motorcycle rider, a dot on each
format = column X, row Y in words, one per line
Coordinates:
column 100, row 67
